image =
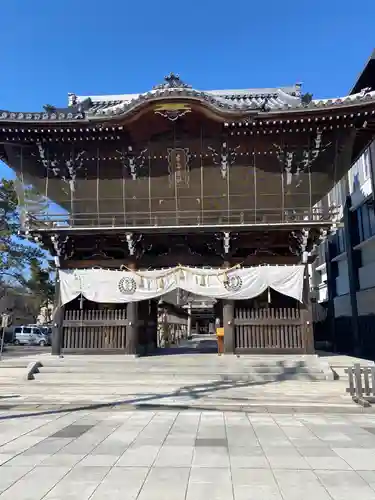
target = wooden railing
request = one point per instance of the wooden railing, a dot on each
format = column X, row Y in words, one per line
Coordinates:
column 177, row 218
column 172, row 332
column 270, row 329
column 95, row 329
column 361, row 384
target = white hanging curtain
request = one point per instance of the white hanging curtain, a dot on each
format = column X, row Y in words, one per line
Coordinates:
column 101, row 285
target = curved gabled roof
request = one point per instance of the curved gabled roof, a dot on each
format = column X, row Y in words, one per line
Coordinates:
column 229, row 103
column 236, row 101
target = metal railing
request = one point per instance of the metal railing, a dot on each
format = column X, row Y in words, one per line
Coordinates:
column 184, row 218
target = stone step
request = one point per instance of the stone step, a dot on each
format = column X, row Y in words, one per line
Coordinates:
column 141, row 367
column 80, row 379
column 12, row 374
column 216, row 363
column 171, row 371
column 142, row 390
column 295, row 386
column 235, row 388
column 13, row 363
column 194, row 359
column 161, row 400
column 340, row 362
column 196, row 381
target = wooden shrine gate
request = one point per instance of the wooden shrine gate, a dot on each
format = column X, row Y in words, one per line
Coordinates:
column 106, row 329
column 94, row 329
column 172, row 326
column 272, row 330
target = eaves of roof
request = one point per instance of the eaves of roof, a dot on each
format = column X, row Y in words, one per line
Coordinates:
column 277, row 103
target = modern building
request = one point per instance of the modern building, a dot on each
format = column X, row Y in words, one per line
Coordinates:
column 211, row 192
column 344, row 272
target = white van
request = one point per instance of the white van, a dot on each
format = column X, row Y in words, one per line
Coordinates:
column 29, row 335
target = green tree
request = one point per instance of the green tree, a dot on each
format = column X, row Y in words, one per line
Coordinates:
column 22, row 263
column 40, row 283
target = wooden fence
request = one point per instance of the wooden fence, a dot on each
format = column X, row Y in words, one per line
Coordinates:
column 94, row 329
column 273, row 330
column 172, row 330
column 361, row 383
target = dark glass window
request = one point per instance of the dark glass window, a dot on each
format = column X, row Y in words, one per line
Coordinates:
column 372, row 219
column 365, row 221
column 340, row 240
column 360, row 223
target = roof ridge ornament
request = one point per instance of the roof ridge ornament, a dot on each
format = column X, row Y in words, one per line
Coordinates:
column 306, row 98
column 172, row 81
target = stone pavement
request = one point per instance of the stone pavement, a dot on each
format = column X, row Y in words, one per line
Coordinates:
column 211, row 455
column 266, row 383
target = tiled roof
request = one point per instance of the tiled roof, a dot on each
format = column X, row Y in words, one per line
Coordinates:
column 228, row 102
column 234, row 102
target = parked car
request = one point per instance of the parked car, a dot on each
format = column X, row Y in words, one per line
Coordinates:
column 46, row 331
column 29, row 335
column 42, row 339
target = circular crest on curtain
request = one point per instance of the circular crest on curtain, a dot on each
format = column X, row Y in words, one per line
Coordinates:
column 127, row 285
column 233, row 283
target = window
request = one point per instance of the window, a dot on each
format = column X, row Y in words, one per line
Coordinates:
column 338, row 240
column 26, row 330
column 366, row 221
column 18, row 330
column 372, row 219
column 360, row 223
column 341, row 241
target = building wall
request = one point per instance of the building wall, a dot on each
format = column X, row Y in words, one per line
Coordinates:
column 358, row 184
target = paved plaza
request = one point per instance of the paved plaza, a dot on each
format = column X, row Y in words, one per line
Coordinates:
column 116, row 454
column 187, row 426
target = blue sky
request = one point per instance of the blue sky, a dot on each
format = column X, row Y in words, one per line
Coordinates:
column 52, row 47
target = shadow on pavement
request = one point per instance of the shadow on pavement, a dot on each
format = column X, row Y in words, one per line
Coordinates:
column 194, row 392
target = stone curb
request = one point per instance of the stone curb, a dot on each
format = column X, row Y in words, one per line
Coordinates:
column 13, row 410
column 329, row 374
column 32, row 368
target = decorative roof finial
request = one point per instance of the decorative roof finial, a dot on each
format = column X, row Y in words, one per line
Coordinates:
column 172, row 81
column 72, row 99
column 306, row 98
column 298, row 87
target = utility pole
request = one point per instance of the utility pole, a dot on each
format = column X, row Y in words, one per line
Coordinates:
column 4, row 324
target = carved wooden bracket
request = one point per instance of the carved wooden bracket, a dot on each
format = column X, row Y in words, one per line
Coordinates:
column 225, row 157
column 65, row 166
column 134, row 245
column 299, row 243
column 133, row 162
column 59, row 243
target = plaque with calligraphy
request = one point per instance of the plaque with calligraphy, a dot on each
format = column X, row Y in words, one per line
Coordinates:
column 178, row 164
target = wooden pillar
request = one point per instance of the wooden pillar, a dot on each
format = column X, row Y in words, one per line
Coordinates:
column 58, row 319
column 143, row 331
column 153, row 337
column 353, row 260
column 306, row 313
column 228, row 323
column 132, row 328
column 218, row 311
column 147, row 325
column 189, row 319
column 131, row 345
column 228, row 318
